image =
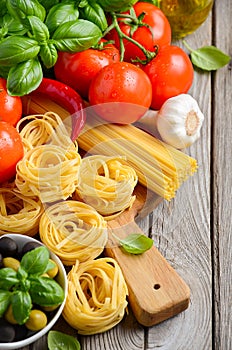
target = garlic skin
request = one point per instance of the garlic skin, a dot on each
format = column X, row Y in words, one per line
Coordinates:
column 179, row 121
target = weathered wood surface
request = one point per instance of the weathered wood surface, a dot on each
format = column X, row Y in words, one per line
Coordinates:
column 193, row 232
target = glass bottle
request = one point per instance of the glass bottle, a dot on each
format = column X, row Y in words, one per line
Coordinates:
column 185, row 16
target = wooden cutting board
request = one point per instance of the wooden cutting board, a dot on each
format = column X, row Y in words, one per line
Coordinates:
column 156, row 291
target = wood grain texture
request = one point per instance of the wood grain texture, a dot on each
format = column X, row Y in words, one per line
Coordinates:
column 222, row 183
column 181, row 231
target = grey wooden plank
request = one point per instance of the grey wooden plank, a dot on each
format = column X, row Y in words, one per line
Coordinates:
column 181, row 231
column 222, row 184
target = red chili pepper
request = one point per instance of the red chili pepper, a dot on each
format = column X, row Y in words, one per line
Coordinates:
column 69, row 99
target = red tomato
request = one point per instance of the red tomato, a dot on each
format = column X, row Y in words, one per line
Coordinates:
column 157, row 31
column 10, row 106
column 125, row 83
column 171, row 73
column 11, row 150
column 78, row 69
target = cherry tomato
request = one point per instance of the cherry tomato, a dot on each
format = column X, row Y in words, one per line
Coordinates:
column 10, row 106
column 125, row 83
column 11, row 150
column 171, row 73
column 156, row 31
column 78, row 69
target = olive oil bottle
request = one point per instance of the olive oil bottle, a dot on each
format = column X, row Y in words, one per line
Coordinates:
column 185, row 16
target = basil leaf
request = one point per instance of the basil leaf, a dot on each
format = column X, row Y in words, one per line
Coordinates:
column 13, row 26
column 47, row 4
column 3, row 8
column 48, row 54
column 76, row 36
column 39, row 29
column 20, row 9
column 21, row 273
column 59, row 341
column 136, row 243
column 94, row 13
column 8, row 278
column 45, row 291
column 16, row 49
column 209, row 58
column 59, row 14
column 35, row 261
column 116, row 5
column 5, row 299
column 4, row 71
column 51, row 264
column 24, row 77
column 21, row 306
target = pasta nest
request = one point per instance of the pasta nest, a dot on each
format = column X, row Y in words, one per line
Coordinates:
column 107, row 184
column 41, row 129
column 48, row 171
column 19, row 214
column 73, row 230
column 97, row 295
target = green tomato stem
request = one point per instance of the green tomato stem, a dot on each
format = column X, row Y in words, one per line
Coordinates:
column 149, row 54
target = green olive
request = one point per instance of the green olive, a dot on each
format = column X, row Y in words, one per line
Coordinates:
column 11, row 262
column 50, row 308
column 37, row 320
column 53, row 272
column 9, row 315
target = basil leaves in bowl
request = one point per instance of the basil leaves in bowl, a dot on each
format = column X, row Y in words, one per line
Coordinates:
column 31, row 289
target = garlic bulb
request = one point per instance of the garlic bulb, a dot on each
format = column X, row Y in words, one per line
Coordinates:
column 179, row 121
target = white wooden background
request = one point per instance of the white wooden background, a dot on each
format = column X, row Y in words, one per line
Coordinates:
column 193, row 232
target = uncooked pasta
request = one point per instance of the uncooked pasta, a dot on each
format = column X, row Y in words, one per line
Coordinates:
column 73, row 230
column 49, row 172
column 19, row 214
column 107, row 184
column 41, row 129
column 97, row 296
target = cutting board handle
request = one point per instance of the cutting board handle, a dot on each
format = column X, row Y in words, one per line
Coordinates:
column 156, row 291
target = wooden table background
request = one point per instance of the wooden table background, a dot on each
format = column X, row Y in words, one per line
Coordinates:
column 193, row 231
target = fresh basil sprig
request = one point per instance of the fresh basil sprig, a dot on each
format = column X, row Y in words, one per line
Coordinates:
column 26, row 287
column 31, row 35
column 58, row 340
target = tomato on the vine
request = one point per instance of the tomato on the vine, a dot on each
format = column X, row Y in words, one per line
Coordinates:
column 11, row 150
column 171, row 73
column 78, row 69
column 10, row 106
column 151, row 31
column 121, row 93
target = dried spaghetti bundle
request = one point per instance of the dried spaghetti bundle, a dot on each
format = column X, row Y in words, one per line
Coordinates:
column 97, row 294
column 19, row 214
column 73, row 230
column 107, row 184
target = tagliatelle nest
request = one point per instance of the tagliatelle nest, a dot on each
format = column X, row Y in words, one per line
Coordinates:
column 107, row 184
column 74, row 231
column 97, row 295
column 19, row 214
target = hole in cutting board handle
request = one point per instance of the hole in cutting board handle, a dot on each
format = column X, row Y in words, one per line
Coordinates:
column 157, row 286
